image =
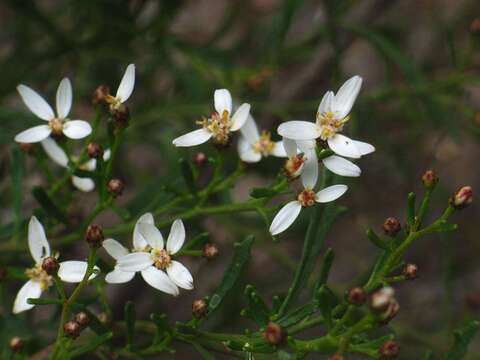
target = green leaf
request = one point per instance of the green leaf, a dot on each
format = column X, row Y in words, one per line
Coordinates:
column 462, row 338
column 298, row 314
column 188, row 176
column 160, row 321
column 130, row 318
column 258, row 193
column 325, row 269
column 444, row 227
column 197, row 241
column 325, row 303
column 373, row 237
column 411, row 209
column 240, row 257
column 48, row 205
column 44, row 301
column 203, row 352
column 257, row 310
column 92, row 345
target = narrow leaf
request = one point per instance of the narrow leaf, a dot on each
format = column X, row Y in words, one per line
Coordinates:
column 188, row 176
column 375, row 239
column 462, row 338
column 326, row 266
column 48, row 205
column 92, row 345
column 257, row 310
column 130, row 318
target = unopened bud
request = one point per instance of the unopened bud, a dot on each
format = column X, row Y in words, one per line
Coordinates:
column 50, row 265
column 380, row 299
column 210, row 251
column 115, row 187
column 82, row 319
column 27, row 147
column 357, row 296
column 16, row 344
column 392, row 310
column 94, row 235
column 410, row 271
column 121, row 116
column 274, row 334
column 475, row 26
column 462, row 198
column 95, row 151
column 72, row 329
column 200, row 159
column 100, row 94
column 199, row 308
column 336, row 357
column 391, row 226
column 429, row 179
column 389, row 350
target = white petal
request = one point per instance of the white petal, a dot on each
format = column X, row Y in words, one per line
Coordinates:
column 106, row 154
column 193, row 138
column 222, row 101
column 285, row 217
column 306, row 145
column 30, row 290
column 176, row 238
column 250, row 130
column 64, row 98
column 246, row 151
column 114, row 248
column 330, row 193
column 343, row 146
column 152, row 235
column 55, row 152
column 118, row 276
column 180, row 275
column 34, row 134
column 240, row 117
column 83, row 184
column 326, row 103
column 139, row 242
column 73, row 271
column 37, row 240
column 136, row 261
column 35, row 103
column 298, row 130
column 160, row 281
column 76, row 129
column 363, row 147
column 346, row 96
column 90, row 165
column 310, row 170
column 290, row 147
column 341, row 166
column 126, row 85
column 279, row 150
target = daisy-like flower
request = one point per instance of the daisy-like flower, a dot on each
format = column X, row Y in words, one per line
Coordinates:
column 154, row 260
column 307, row 197
column 219, row 125
column 252, row 145
column 57, row 124
column 59, row 156
column 124, row 90
column 295, row 151
column 333, row 113
column 69, row 271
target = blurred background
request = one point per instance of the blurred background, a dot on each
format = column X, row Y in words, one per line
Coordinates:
column 419, row 106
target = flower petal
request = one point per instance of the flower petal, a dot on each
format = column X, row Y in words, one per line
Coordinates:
column 250, row 130
column 160, row 281
column 176, row 238
column 76, row 129
column 290, row 147
column 126, row 85
column 114, row 248
column 35, row 103
column 64, row 98
column 73, row 271
column 30, row 290
column 136, row 261
column 37, row 240
column 222, row 101
column 118, row 276
column 193, row 138
column 180, row 275
column 139, row 242
column 310, row 170
column 34, row 134
column 55, row 152
column 279, row 150
column 90, row 165
column 346, row 96
column 152, row 235
column 326, row 103
column 240, row 117
column 246, row 151
column 106, row 155
column 83, row 184
column 285, row 217
column 343, row 146
column 330, row 193
column 363, row 147
column 341, row 166
column 298, row 130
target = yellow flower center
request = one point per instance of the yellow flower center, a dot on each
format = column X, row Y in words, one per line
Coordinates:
column 219, row 126
column 264, row 145
column 114, row 102
column 56, row 124
column 161, row 258
column 38, row 274
column 329, row 124
column 293, row 165
column 306, row 198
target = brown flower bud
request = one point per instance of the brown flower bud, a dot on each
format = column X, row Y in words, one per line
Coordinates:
column 410, row 271
column 210, row 251
column 16, row 344
column 391, row 226
column 72, row 329
column 357, row 296
column 82, row 319
column 50, row 265
column 274, row 334
column 200, row 159
column 336, row 357
column 392, row 311
column 100, row 94
column 121, row 116
column 389, row 350
column 94, row 235
column 475, row 26
column 27, row 148
column 380, row 299
column 462, row 198
column 115, row 187
column 199, row 308
column 429, row 179
column 95, row 151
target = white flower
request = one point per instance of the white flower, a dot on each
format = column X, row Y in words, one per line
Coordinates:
column 59, row 156
column 252, row 146
column 152, row 258
column 220, row 125
column 57, row 124
column 69, row 271
column 124, row 90
column 333, row 113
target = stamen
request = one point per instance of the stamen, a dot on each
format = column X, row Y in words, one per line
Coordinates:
column 56, row 124
column 161, row 258
column 264, row 145
column 38, row 274
column 219, row 126
column 307, row 198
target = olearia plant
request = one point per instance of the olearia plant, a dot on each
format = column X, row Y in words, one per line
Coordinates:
column 309, row 318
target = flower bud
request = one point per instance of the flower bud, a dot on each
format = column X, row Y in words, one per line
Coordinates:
column 389, row 350
column 462, row 198
column 72, row 329
column 475, row 26
column 392, row 311
column 82, row 319
column 199, row 308
column 274, row 334
column 357, row 296
column 336, row 357
column 200, row 159
column 100, row 94
column 391, row 226
column 50, row 265
column 121, row 116
column 210, row 251
column 410, row 271
column 380, row 299
column 115, row 187
column 94, row 235
column 429, row 179
column 95, row 151
column 16, row 344
column 27, row 148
